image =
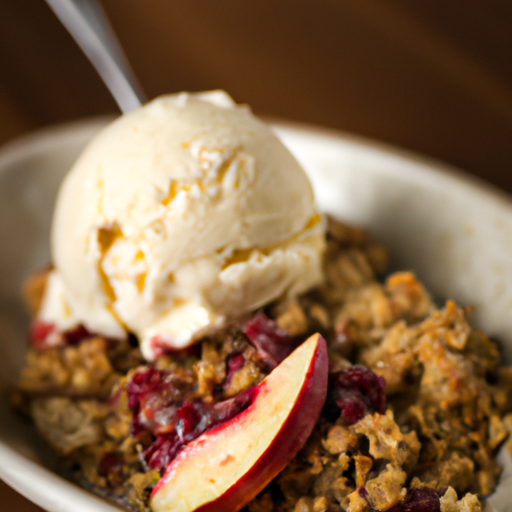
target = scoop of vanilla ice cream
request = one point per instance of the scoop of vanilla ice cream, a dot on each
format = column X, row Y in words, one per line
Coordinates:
column 178, row 216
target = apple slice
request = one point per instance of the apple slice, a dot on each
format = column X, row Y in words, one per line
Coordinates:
column 227, row 466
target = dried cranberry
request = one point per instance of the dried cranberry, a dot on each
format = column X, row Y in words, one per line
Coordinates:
column 154, row 396
column 229, row 408
column 136, row 427
column 40, row 332
column 141, row 384
column 162, row 451
column 44, row 335
column 75, row 336
column 109, row 463
column 160, row 346
column 357, row 391
column 273, row 343
column 422, row 499
column 192, row 419
column 235, row 362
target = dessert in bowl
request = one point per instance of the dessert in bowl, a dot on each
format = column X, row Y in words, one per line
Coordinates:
column 441, row 226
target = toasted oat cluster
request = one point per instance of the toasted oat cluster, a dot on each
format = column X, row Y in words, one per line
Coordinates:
column 417, row 405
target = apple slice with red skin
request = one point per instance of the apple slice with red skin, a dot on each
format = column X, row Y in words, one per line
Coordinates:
column 223, row 469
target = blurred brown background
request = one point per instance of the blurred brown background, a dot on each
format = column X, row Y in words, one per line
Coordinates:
column 435, row 77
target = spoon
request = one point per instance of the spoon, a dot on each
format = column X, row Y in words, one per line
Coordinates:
column 87, row 22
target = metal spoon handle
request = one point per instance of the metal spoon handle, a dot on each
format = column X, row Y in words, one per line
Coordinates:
column 87, row 22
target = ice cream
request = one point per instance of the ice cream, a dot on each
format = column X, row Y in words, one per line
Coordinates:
column 178, row 216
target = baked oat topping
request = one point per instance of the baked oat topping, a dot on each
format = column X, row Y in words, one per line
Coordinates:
column 417, row 405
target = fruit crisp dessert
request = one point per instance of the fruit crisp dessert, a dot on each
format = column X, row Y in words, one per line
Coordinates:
column 230, row 348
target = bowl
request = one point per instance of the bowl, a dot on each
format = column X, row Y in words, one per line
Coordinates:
column 454, row 231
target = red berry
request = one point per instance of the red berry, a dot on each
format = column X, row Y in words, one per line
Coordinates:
column 357, row 391
column 273, row 343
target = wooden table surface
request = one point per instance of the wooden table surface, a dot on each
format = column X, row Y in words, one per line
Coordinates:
column 434, row 77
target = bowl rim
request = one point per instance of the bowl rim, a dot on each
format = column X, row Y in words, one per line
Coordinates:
column 425, row 167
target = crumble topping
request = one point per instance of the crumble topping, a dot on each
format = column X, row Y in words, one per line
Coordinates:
column 417, row 406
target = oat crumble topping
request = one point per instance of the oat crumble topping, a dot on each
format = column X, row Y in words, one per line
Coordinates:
column 418, row 403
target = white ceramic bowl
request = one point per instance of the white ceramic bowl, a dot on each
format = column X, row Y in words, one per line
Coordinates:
column 453, row 231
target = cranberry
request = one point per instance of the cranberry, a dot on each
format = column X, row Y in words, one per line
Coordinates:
column 44, row 335
column 422, row 499
column 272, row 343
column 40, row 332
column 235, row 362
column 155, row 399
column 161, row 346
column 192, row 419
column 229, row 408
column 162, row 451
column 357, row 391
column 75, row 336
column 109, row 463
column 141, row 384
column 136, row 427
column 158, row 346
